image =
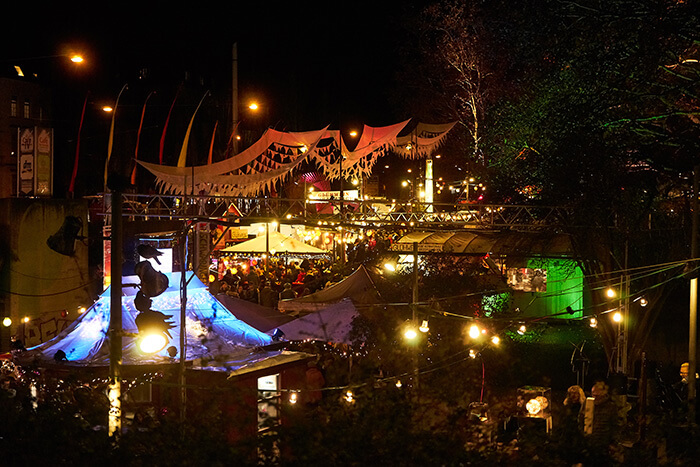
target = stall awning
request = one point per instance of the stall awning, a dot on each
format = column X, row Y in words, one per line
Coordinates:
column 495, row 243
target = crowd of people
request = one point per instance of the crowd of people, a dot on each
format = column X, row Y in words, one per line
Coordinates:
column 266, row 284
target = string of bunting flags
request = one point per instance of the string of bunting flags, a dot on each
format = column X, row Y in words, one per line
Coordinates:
column 276, row 154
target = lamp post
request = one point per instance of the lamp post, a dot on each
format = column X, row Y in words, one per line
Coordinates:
column 693, row 312
column 414, row 301
column 115, row 317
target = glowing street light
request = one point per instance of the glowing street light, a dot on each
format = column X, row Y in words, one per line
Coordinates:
column 474, row 331
column 410, row 334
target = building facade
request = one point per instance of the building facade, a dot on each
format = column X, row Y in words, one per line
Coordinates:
column 24, row 104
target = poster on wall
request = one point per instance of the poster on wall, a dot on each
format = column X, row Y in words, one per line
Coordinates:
column 44, row 161
column 527, row 279
column 35, row 161
column 25, row 162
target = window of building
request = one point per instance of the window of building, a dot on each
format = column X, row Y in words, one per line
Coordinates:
column 13, row 107
column 269, row 399
column 26, row 108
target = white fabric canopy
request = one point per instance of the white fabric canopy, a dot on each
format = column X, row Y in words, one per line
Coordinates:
column 276, row 242
column 273, row 158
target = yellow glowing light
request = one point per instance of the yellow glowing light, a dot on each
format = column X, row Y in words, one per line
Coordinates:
column 610, row 293
column 593, row 323
column 522, row 329
column 303, row 149
column 537, row 405
column 472, row 353
column 349, row 398
column 293, row 398
column 153, row 343
column 82, row 310
column 389, row 267
column 75, row 58
column 353, row 133
column 424, row 326
column 474, row 331
column 533, row 406
column 617, row 317
column 253, row 106
column 404, row 183
column 7, row 322
column 410, row 334
column 495, row 340
column 107, row 108
column 643, row 301
column 26, row 319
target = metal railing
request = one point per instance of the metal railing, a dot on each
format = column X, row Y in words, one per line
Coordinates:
column 368, row 213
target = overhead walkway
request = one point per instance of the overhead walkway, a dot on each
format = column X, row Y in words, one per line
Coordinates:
column 371, row 213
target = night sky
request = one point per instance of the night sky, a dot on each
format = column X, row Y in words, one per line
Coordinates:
column 309, row 66
column 313, row 65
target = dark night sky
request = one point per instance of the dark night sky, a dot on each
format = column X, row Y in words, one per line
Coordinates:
column 327, row 59
column 310, row 66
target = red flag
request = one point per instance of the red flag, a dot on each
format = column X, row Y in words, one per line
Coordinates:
column 77, row 148
column 162, row 138
column 211, row 145
column 138, row 138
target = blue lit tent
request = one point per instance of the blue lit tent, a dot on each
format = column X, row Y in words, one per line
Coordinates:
column 213, row 333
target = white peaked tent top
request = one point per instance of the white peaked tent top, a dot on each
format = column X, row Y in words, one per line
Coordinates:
column 332, row 324
column 213, row 333
column 277, row 243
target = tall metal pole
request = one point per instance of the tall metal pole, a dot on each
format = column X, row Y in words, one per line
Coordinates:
column 693, row 319
column 183, row 328
column 414, row 301
column 234, row 93
column 115, row 317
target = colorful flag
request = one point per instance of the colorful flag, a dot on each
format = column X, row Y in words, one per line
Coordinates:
column 183, row 151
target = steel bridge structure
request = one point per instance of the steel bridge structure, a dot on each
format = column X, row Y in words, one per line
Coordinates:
column 229, row 210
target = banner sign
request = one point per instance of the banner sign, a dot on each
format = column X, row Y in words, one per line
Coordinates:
column 34, row 161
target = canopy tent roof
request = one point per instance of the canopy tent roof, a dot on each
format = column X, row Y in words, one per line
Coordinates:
column 358, row 286
column 331, row 324
column 260, row 317
column 526, row 244
column 213, row 333
column 273, row 158
column 275, row 242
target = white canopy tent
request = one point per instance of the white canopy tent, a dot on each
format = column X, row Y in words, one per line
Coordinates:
column 275, row 243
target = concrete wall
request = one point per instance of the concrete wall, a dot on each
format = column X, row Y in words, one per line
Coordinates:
column 36, row 281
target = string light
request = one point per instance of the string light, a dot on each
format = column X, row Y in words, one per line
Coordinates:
column 424, row 326
column 617, row 317
column 349, row 398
